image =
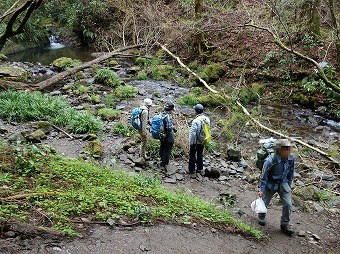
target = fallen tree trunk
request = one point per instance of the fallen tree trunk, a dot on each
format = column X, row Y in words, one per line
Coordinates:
column 252, row 118
column 29, row 230
column 46, row 83
column 4, row 84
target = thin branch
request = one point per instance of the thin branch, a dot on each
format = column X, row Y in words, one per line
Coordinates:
column 187, row 68
column 59, row 129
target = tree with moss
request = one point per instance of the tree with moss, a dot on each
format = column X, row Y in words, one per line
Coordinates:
column 336, row 27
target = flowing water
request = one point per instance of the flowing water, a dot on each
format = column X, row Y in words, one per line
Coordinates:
column 46, row 55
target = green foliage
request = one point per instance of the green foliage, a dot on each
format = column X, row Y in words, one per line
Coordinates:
column 107, row 77
column 142, row 75
column 81, row 89
column 124, row 92
column 232, row 126
column 123, row 129
column 110, row 100
column 3, row 57
column 147, row 61
column 211, row 146
column 162, row 72
column 152, row 147
column 323, row 195
column 250, row 93
column 24, row 106
column 189, row 99
column 64, row 63
column 70, row 188
column 108, row 113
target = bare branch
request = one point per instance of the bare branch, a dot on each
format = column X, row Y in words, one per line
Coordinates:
column 321, row 73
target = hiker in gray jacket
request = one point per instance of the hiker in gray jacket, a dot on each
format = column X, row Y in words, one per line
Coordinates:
column 277, row 176
column 144, row 118
column 196, row 147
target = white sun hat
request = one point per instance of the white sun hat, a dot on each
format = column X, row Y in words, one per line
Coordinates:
column 148, row 102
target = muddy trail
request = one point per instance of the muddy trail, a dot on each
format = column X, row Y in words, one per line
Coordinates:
column 316, row 224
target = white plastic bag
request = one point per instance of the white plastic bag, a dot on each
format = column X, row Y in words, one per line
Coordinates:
column 258, row 206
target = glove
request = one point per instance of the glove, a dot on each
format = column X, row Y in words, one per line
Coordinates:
column 175, row 130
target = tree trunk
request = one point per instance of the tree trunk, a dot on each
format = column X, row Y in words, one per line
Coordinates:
column 310, row 12
column 199, row 37
column 29, row 6
column 336, row 27
column 314, row 19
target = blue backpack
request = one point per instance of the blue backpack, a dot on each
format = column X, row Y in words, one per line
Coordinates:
column 135, row 118
column 157, row 126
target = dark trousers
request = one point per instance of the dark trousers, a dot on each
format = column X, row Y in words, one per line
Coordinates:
column 164, row 152
column 192, row 157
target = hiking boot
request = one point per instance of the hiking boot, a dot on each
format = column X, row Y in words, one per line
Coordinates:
column 262, row 219
column 201, row 172
column 287, row 229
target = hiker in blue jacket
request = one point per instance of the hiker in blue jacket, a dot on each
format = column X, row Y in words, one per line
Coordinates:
column 168, row 141
column 277, row 176
column 196, row 147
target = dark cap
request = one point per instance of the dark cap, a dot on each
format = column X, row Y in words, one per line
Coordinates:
column 199, row 108
column 169, row 106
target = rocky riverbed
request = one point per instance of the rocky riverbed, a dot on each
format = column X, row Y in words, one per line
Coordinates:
column 231, row 181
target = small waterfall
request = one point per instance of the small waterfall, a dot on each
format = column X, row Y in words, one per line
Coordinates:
column 54, row 44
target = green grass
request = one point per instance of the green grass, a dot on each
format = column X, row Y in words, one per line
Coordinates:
column 123, row 129
column 108, row 113
column 123, row 92
column 107, row 77
column 31, row 106
column 67, row 189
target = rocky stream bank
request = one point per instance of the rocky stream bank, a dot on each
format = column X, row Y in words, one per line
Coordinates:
column 231, row 179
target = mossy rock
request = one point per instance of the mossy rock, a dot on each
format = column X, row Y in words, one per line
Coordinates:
column 13, row 73
column 307, row 193
column 212, row 99
column 94, row 148
column 141, row 61
column 112, row 63
column 3, row 57
column 64, row 63
column 214, row 72
column 45, row 126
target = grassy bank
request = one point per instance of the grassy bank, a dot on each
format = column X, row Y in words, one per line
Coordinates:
column 33, row 179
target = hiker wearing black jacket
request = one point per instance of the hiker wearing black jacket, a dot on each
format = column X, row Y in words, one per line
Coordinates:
column 277, row 176
column 168, row 141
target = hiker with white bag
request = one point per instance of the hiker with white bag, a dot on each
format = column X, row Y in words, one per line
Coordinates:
column 277, row 176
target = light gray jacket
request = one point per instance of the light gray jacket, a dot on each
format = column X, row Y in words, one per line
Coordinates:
column 196, row 128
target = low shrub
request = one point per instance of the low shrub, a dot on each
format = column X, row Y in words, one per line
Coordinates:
column 107, row 77
column 108, row 113
column 124, row 92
